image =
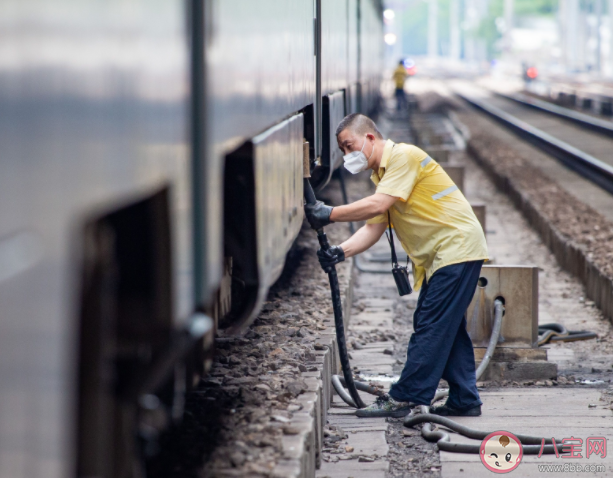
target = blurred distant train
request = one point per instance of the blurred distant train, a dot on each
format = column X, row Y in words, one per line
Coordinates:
column 151, row 156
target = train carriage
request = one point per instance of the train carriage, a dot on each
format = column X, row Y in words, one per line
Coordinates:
column 151, row 158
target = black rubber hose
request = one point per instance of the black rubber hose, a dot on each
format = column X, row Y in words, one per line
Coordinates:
column 531, row 445
column 339, row 385
column 557, row 333
column 364, row 387
column 574, row 335
column 340, row 389
column 337, row 306
column 489, row 352
column 548, row 331
column 559, row 328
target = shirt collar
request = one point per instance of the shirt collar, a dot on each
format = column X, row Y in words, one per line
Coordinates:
column 385, row 156
column 387, row 152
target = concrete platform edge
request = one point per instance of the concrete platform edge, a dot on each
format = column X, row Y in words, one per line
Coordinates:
column 302, row 449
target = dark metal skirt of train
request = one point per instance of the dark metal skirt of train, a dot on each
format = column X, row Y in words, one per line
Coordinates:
column 151, row 162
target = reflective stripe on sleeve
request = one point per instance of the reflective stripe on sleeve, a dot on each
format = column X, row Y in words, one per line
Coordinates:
column 425, row 162
column 445, row 192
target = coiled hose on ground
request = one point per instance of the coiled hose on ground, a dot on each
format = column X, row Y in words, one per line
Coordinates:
column 531, row 445
column 558, row 333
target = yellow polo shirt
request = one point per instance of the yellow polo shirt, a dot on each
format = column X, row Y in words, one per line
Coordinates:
column 399, row 76
column 433, row 220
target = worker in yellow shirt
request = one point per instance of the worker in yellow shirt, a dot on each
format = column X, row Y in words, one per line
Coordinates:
column 442, row 236
column 399, row 76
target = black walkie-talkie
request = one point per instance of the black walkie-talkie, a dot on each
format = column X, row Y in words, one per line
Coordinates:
column 400, row 273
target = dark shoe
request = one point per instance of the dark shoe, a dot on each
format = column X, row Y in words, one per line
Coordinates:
column 446, row 411
column 386, row 406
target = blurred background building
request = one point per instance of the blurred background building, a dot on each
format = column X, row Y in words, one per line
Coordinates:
column 559, row 37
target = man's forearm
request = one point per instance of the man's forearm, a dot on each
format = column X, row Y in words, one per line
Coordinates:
column 363, row 239
column 363, row 209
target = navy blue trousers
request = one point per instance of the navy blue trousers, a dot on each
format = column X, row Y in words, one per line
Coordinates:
column 401, row 99
column 440, row 346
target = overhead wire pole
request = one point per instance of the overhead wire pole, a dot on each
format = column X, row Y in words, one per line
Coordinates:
column 454, row 30
column 598, row 12
column 570, row 27
column 608, row 67
column 509, row 8
column 393, row 36
column 393, row 17
column 433, row 28
column 473, row 13
column 398, row 46
column 610, row 56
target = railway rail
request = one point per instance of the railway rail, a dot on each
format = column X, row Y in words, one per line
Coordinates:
column 559, row 132
column 595, row 98
column 580, row 119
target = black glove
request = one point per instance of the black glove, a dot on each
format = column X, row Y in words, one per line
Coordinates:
column 329, row 258
column 318, row 214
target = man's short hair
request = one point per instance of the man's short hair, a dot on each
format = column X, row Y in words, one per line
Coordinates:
column 358, row 123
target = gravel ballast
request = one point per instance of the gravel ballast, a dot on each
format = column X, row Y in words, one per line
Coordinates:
column 580, row 237
column 253, row 415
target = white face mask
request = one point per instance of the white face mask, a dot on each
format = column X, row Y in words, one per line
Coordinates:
column 356, row 161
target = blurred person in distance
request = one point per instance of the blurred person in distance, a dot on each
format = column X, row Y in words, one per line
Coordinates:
column 400, row 75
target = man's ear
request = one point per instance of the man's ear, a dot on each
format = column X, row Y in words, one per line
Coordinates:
column 370, row 136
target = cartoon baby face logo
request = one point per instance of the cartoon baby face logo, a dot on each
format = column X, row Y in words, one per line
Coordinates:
column 501, row 452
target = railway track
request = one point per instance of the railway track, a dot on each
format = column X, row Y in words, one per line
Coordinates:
column 580, row 142
column 580, row 119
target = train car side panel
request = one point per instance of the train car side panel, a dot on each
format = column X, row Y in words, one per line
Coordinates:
column 260, row 69
column 279, row 195
column 334, row 68
column 94, row 99
column 371, row 54
column 262, row 214
column 353, row 62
